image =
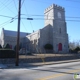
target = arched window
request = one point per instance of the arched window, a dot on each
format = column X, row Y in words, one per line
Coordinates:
column 59, row 30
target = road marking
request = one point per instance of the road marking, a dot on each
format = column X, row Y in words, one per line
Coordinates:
column 58, row 75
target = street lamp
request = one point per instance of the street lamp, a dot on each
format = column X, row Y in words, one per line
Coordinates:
column 29, row 18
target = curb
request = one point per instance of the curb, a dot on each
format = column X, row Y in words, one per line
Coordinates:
column 30, row 65
column 56, row 62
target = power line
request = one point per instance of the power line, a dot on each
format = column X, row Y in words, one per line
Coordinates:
column 41, row 1
column 23, row 2
column 23, row 25
column 15, row 4
column 7, row 7
column 48, row 16
column 48, row 19
column 5, row 23
column 46, row 2
column 73, row 1
column 38, row 16
column 21, row 20
column 74, row 20
column 21, row 7
column 49, row 2
column 1, row 25
column 1, row 5
column 12, row 18
column 7, row 16
column 8, row 21
column 28, row 16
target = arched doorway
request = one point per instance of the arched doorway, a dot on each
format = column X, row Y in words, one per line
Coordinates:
column 60, row 47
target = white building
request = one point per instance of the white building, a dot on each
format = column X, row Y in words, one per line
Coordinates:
column 10, row 37
column 54, row 32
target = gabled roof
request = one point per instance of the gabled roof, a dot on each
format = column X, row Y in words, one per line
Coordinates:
column 14, row 33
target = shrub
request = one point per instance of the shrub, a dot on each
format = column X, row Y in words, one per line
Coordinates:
column 7, row 46
column 75, row 50
column 29, row 53
column 48, row 46
column 19, row 47
column 71, row 51
column 0, row 47
column 7, row 53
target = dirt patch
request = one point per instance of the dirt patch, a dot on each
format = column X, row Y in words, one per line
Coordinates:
column 43, row 55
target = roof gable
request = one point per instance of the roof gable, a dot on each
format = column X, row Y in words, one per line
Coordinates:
column 14, row 33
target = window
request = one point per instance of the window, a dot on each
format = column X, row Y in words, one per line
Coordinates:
column 59, row 15
column 35, row 41
column 31, row 42
column 60, row 30
column 64, row 45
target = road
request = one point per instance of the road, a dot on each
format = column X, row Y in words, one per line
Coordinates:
column 63, row 71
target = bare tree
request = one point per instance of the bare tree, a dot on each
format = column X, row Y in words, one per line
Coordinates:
column 74, row 44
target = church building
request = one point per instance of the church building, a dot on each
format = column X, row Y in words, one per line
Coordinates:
column 54, row 32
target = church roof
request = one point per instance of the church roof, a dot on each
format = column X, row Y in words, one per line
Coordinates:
column 14, row 33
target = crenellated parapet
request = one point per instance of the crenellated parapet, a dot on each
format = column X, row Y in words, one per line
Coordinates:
column 53, row 6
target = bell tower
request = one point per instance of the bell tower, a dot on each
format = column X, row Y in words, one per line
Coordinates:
column 55, row 17
column 54, row 12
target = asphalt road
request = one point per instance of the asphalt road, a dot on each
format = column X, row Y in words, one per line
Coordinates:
column 63, row 71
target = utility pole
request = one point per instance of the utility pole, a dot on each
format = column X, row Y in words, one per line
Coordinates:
column 18, row 34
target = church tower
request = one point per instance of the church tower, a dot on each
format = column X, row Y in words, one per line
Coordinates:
column 55, row 17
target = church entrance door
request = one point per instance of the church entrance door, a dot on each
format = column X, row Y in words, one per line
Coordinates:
column 60, row 47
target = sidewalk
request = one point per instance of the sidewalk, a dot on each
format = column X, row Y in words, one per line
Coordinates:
column 29, row 65
column 2, row 66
